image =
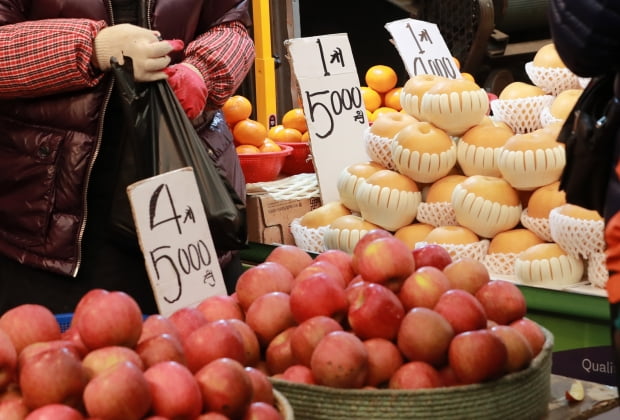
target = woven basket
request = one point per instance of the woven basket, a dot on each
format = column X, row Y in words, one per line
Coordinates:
column 283, row 406
column 520, row 395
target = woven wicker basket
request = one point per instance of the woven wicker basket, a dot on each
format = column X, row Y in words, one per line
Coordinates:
column 283, row 406
column 522, row 395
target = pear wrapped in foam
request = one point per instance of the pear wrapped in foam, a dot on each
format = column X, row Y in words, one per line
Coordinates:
column 378, row 136
column 478, row 149
column 413, row 91
column 345, row 231
column 548, row 265
column 351, row 177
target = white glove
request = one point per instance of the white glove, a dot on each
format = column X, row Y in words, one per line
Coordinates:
column 147, row 51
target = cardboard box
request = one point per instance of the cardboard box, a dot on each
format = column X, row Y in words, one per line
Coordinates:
column 269, row 219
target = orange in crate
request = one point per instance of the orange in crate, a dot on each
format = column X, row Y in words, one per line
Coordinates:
column 263, row 166
column 295, row 118
column 236, row 108
column 249, row 131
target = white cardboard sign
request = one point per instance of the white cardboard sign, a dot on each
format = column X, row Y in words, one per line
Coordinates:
column 422, row 48
column 174, row 235
column 333, row 105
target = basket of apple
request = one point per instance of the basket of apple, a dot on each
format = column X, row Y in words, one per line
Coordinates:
column 394, row 333
column 107, row 360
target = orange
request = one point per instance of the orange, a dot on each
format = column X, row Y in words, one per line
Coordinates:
column 287, row 135
column 371, row 98
column 381, row 78
column 236, row 108
column 381, row 110
column 245, row 149
column 468, row 76
column 273, row 130
column 270, row 146
column 457, row 63
column 392, row 98
column 249, row 131
column 295, row 118
column 305, row 137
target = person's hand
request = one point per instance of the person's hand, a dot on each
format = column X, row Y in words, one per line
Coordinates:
column 147, row 51
column 189, row 87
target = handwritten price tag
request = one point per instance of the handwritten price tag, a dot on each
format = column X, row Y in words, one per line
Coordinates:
column 333, row 105
column 175, row 239
column 422, row 48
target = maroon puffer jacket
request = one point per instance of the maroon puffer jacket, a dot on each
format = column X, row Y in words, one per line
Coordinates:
column 53, row 141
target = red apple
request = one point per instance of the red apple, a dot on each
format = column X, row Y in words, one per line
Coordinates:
column 33, row 350
column 415, row 375
column 368, row 237
column 467, row 273
column 186, row 320
column 321, row 266
column 384, row 358
column 532, row 332
column 503, row 301
column 341, row 259
column 225, row 387
column 160, row 348
column 387, row 261
column 72, row 335
column 301, row 374
column 431, row 255
column 425, row 335
column 108, row 319
column 269, row 315
column 519, row 350
column 262, row 411
column 376, row 311
column 477, row 356
column 278, row 354
column 156, row 324
column 120, row 392
column 307, row 335
column 8, row 361
column 340, row 360
column 462, row 310
column 448, row 377
column 251, row 346
column 212, row 415
column 318, row 294
column 423, row 288
column 103, row 358
column 291, row 257
column 29, row 323
column 218, row 307
column 213, row 340
column 265, row 277
column 174, row 391
column 13, row 409
column 262, row 388
column 56, row 412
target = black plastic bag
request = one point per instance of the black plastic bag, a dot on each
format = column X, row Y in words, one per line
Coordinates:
column 161, row 138
column 590, row 132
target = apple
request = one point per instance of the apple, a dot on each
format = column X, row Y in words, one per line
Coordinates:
column 251, row 345
column 341, row 259
column 368, row 237
column 174, row 391
column 213, row 340
column 262, row 411
column 384, row 358
column 8, row 360
column 467, row 273
column 299, row 373
column 431, row 255
column 448, row 377
column 375, row 311
column 423, row 288
column 54, row 375
column 71, row 334
column 462, row 310
column 278, row 354
column 415, row 375
column 477, row 356
column 218, row 307
column 107, row 319
column 532, row 332
column 212, row 415
column 225, row 387
column 321, row 266
column 503, row 301
column 156, row 324
column 291, row 257
column 29, row 323
column 120, row 392
column 386, row 261
column 160, row 348
column 519, row 350
column 306, row 336
column 318, row 294
column 13, row 409
column 262, row 388
column 56, row 412
column 576, row 392
column 268, row 276
column 186, row 320
column 102, row 358
column 269, row 315
column 340, row 360
column 425, row 335
column 33, row 350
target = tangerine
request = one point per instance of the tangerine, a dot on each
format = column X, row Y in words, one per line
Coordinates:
column 270, row 146
column 305, row 137
column 249, row 131
column 457, row 63
column 392, row 98
column 382, row 110
column 273, row 130
column 244, row 149
column 295, row 118
column 468, row 76
column 287, row 135
column 236, row 108
column 381, row 78
column 371, row 98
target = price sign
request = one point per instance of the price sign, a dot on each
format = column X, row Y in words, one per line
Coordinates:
column 333, row 105
column 422, row 48
column 174, row 235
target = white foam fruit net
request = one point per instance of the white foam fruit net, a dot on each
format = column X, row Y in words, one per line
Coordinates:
column 552, row 80
column 294, row 187
column 597, row 269
column 379, row 149
column 476, row 250
column 559, row 271
column 423, row 167
column 546, row 118
column 386, row 207
column 343, row 239
column 310, row 239
column 501, row 263
column 577, row 237
column 522, row 115
column 538, row 225
column 436, row 214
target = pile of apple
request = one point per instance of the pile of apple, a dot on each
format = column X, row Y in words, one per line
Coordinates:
column 113, row 363
column 385, row 316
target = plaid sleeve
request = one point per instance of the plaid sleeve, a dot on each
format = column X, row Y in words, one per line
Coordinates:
column 47, row 56
column 224, row 56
